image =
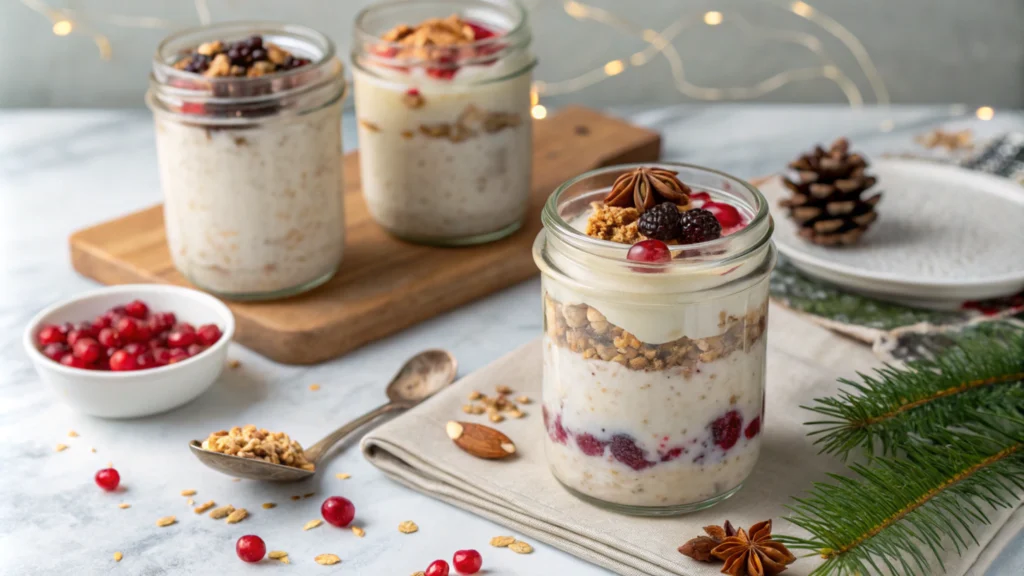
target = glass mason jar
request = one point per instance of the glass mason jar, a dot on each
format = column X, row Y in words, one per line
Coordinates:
column 445, row 138
column 250, row 167
column 654, row 373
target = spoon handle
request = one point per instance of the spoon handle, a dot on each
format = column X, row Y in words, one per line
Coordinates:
column 316, row 451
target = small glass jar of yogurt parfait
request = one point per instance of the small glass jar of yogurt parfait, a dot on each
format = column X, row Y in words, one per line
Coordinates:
column 442, row 92
column 248, row 133
column 655, row 295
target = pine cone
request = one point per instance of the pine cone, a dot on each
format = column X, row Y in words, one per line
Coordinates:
column 826, row 201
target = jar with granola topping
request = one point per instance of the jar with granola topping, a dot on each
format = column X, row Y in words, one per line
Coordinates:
column 248, row 133
column 442, row 91
column 655, row 295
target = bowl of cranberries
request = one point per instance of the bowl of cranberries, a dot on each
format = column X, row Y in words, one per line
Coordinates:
column 130, row 351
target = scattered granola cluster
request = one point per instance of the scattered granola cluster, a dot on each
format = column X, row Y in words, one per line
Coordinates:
column 614, row 223
column 495, row 407
column 259, row 444
column 431, row 39
column 584, row 329
column 250, row 58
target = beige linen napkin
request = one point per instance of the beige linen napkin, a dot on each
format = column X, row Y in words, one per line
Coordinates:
column 804, row 361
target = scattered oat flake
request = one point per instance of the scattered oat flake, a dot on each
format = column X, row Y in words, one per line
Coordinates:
column 236, row 479
column 124, row 505
column 312, row 524
column 237, row 516
column 503, row 389
column 118, row 556
column 408, row 527
column 72, row 434
column 496, row 417
column 204, row 507
column 327, row 559
column 61, row 447
column 188, row 492
column 268, row 505
column 309, row 495
column 474, row 395
column 502, row 541
column 516, row 414
column 232, row 363
column 314, row 387
column 93, row 450
column 218, row 513
column 419, row 573
column 342, row 476
column 523, row 399
column 297, row 497
column 278, row 555
column 358, row 531
column 166, row 521
column 520, row 547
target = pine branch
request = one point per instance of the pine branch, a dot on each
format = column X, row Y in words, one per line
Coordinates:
column 893, row 512
column 882, row 411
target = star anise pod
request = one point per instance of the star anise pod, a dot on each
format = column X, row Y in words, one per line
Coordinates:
column 645, row 187
column 699, row 548
column 753, row 554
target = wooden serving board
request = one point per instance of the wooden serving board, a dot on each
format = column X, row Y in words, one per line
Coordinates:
column 384, row 285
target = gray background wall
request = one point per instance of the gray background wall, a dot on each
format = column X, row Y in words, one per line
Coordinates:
column 925, row 51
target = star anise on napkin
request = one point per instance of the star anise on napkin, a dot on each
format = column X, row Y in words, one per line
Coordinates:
column 753, row 554
column 699, row 548
column 645, row 187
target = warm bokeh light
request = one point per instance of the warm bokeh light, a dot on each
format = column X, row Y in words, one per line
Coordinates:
column 713, row 18
column 62, row 27
column 638, row 59
column 614, row 67
column 534, row 97
column 539, row 112
column 985, row 113
column 801, row 9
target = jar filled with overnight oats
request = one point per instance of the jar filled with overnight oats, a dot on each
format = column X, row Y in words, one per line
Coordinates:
column 442, row 92
column 655, row 295
column 248, row 133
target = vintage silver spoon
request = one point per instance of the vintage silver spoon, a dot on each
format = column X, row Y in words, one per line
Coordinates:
column 420, row 377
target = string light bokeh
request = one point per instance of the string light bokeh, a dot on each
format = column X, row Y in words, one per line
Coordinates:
column 67, row 21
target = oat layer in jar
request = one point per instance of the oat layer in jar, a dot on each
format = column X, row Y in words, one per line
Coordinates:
column 655, row 296
column 248, row 131
column 442, row 91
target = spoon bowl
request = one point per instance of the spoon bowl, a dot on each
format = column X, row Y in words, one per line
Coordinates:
column 422, row 376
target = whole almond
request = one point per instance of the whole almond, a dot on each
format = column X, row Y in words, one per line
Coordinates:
column 479, row 440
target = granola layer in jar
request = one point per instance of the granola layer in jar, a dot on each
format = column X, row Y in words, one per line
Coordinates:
column 248, row 129
column 654, row 349
column 442, row 92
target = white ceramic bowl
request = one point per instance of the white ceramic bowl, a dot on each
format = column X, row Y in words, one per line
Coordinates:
column 142, row 392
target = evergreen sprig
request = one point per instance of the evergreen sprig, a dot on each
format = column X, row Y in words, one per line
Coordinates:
column 879, row 414
column 897, row 509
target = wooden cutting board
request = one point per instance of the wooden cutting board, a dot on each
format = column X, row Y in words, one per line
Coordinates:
column 384, row 285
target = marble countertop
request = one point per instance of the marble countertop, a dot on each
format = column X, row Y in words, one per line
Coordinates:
column 63, row 170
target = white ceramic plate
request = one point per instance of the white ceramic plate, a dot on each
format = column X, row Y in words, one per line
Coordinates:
column 944, row 235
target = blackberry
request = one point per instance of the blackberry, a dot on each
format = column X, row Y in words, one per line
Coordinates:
column 661, row 222
column 698, row 225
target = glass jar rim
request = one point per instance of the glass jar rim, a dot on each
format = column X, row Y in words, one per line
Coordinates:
column 751, row 238
column 491, row 48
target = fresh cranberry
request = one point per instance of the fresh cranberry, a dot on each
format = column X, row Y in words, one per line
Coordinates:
column 51, row 334
column 590, row 445
column 480, row 32
column 134, row 348
column 728, row 216
column 338, row 511
column 208, row 334
column 87, row 349
column 183, row 327
column 128, row 328
column 467, row 561
column 649, row 251
column 103, row 321
column 557, row 432
column 161, row 356
column 122, row 361
column 195, row 349
column 158, row 341
column 437, row 568
column 87, row 329
column 181, row 338
column 108, row 479
column 250, row 548
column 136, row 309
column 625, row 450
column 161, row 321
column 177, row 355
column 145, row 360
column 725, row 431
column 753, row 428
column 74, row 336
column 446, row 69
column 72, row 361
column 109, row 337
column 55, row 351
